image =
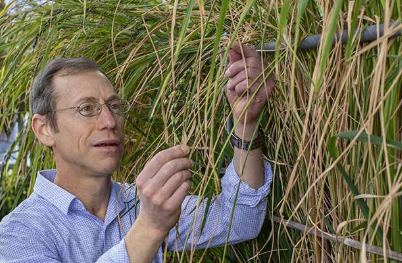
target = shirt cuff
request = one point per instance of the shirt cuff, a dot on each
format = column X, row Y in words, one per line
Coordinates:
column 117, row 254
column 246, row 195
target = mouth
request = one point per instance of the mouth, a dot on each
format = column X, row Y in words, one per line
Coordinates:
column 109, row 145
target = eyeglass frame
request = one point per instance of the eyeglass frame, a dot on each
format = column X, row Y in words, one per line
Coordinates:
column 122, row 102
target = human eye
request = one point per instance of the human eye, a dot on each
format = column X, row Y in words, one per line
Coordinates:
column 87, row 108
column 115, row 106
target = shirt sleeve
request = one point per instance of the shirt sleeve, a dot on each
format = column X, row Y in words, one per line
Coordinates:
column 19, row 244
column 239, row 210
column 117, row 254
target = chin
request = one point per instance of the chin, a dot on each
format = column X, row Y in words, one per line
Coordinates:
column 108, row 169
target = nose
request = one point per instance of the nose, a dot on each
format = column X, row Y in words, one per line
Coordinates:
column 106, row 119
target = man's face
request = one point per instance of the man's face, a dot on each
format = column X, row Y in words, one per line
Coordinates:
column 90, row 145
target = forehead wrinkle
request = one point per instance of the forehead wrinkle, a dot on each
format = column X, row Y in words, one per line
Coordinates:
column 112, row 97
column 84, row 99
column 64, row 80
column 93, row 99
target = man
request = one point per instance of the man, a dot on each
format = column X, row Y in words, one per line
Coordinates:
column 72, row 215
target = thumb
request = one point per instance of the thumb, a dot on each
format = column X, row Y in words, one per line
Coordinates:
column 234, row 56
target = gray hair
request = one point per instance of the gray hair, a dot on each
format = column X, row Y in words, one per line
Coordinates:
column 43, row 98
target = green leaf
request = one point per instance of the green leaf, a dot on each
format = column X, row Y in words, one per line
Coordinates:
column 333, row 151
column 328, row 40
column 364, row 137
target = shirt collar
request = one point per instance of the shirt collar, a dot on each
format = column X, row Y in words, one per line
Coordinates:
column 53, row 193
column 63, row 200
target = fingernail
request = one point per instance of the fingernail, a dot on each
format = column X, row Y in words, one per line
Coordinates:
column 229, row 83
column 227, row 73
column 185, row 149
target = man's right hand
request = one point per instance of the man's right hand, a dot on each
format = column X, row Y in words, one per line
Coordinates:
column 162, row 186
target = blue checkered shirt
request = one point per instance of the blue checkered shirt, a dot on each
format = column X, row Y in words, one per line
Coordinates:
column 52, row 225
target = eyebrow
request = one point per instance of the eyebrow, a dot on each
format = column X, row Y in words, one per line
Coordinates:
column 90, row 98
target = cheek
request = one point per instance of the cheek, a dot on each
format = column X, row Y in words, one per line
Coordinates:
column 121, row 132
column 80, row 137
column 84, row 141
column 120, row 125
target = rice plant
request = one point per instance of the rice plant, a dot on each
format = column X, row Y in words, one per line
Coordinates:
column 333, row 123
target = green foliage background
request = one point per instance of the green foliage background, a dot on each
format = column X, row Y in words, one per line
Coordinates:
column 166, row 58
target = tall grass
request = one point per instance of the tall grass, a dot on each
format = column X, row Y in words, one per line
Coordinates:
column 333, row 122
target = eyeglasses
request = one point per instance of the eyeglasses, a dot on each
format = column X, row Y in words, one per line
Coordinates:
column 89, row 109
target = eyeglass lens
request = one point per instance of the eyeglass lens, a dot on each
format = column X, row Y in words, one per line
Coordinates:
column 94, row 108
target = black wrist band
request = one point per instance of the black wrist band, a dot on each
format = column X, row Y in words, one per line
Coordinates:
column 257, row 142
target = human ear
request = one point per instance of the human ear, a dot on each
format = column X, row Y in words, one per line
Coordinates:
column 43, row 131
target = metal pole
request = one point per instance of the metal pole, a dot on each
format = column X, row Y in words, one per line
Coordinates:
column 342, row 240
column 370, row 33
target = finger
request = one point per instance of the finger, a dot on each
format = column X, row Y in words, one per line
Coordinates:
column 169, row 170
column 174, row 183
column 245, row 111
column 269, row 83
column 234, row 98
column 245, row 50
column 240, row 65
column 178, row 196
column 244, row 87
column 160, row 159
column 251, row 74
column 234, row 56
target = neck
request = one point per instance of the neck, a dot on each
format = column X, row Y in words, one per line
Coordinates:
column 92, row 191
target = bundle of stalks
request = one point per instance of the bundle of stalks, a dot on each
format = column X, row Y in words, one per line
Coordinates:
column 333, row 122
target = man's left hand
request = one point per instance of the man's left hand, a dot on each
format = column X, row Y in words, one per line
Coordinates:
column 245, row 67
